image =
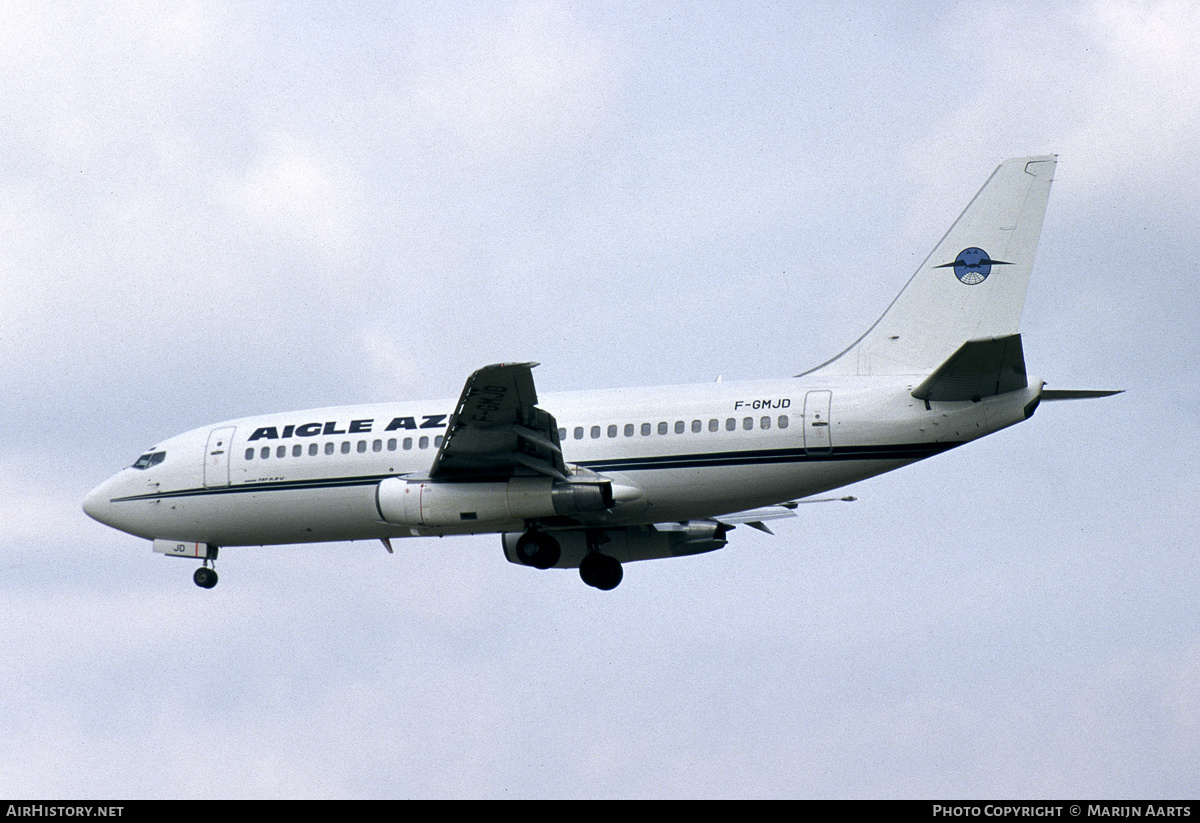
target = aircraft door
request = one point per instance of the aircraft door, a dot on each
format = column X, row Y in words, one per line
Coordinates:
column 216, row 457
column 816, row 422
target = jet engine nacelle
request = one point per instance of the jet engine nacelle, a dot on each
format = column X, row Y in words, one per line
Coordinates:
column 431, row 503
column 699, row 534
column 630, row 544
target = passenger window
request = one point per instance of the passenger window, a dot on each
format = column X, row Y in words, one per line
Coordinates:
column 312, row 449
column 662, row 428
column 391, row 444
column 345, row 447
column 765, row 423
column 423, row 442
column 265, row 452
column 437, row 442
column 281, row 451
column 679, row 427
column 645, row 429
column 362, row 446
column 629, row 430
column 579, row 432
column 407, row 443
column 377, row 446
column 783, row 421
column 748, row 423
column 329, row 448
column 595, row 432
column 730, row 424
column 297, row 450
column 696, row 427
column 713, row 425
column 562, row 435
column 612, row 430
column 249, row 454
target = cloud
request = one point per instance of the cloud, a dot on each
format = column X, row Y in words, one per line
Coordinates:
column 1140, row 104
column 295, row 191
column 1111, row 85
column 533, row 77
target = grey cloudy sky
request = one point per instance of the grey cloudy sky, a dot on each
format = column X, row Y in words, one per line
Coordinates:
column 215, row 209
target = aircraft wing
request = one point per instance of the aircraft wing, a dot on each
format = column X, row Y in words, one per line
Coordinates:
column 751, row 517
column 497, row 431
column 754, row 517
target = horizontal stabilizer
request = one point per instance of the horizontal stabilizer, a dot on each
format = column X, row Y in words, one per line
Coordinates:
column 1078, row 394
column 980, row 368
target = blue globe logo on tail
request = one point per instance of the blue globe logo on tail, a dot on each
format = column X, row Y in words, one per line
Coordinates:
column 972, row 266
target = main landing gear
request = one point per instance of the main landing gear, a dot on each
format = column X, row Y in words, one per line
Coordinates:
column 538, row 549
column 542, row 551
column 206, row 576
column 601, row 571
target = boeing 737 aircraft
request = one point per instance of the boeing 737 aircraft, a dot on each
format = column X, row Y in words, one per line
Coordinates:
column 594, row 479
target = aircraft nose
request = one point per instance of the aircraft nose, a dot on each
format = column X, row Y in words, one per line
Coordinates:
column 109, row 504
column 98, row 503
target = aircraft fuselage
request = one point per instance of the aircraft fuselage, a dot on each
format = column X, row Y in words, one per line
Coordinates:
column 690, row 451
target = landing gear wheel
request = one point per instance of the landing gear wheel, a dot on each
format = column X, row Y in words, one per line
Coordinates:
column 205, row 577
column 538, row 549
column 601, row 571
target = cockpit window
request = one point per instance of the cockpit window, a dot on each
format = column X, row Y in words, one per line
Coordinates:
column 150, row 459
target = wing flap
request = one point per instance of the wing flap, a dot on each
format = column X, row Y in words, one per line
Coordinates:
column 497, row 431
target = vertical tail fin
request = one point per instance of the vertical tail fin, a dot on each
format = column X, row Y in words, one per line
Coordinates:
column 972, row 285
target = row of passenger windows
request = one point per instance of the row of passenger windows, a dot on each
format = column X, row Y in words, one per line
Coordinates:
column 330, row 448
column 629, row 429
column 697, row 426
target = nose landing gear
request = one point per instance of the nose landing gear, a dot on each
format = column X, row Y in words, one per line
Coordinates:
column 206, row 576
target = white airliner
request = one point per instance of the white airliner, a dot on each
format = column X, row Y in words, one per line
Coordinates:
column 594, row 479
